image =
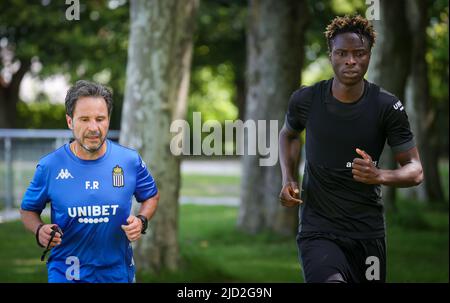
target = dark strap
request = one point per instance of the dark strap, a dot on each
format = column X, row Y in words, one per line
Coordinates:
column 144, row 221
column 55, row 229
column 37, row 234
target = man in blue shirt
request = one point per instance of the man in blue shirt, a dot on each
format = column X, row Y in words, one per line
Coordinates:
column 90, row 183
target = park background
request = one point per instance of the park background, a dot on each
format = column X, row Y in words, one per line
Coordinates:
column 219, row 219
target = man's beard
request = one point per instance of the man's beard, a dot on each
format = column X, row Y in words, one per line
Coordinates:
column 92, row 150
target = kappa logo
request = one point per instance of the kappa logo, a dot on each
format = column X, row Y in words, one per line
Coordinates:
column 118, row 177
column 64, row 174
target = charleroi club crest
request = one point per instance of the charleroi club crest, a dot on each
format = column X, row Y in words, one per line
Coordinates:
column 118, row 177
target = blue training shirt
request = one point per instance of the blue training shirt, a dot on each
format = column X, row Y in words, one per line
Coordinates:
column 90, row 200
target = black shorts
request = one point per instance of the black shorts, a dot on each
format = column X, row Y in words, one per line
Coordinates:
column 327, row 257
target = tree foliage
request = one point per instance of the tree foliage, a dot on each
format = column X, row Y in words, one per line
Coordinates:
column 39, row 31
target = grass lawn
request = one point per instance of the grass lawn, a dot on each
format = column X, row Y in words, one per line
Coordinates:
column 212, row 250
column 195, row 185
column 418, row 244
column 20, row 255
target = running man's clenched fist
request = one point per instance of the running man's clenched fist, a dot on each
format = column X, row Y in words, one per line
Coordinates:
column 133, row 229
column 289, row 195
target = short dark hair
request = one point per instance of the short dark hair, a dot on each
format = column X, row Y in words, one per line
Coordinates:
column 83, row 88
column 350, row 24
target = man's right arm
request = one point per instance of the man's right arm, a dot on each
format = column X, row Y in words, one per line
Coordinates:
column 33, row 202
column 32, row 220
column 289, row 151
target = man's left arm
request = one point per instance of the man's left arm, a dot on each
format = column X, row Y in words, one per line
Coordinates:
column 409, row 173
column 134, row 227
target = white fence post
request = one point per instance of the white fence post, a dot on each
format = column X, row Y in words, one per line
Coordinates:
column 9, row 197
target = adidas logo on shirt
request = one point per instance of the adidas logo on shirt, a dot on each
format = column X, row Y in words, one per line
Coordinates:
column 64, row 174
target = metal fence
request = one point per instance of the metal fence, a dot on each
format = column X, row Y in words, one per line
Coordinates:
column 20, row 151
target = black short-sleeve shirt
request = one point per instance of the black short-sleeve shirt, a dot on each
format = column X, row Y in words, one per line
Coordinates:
column 334, row 201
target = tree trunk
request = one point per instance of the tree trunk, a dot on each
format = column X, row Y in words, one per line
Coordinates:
column 240, row 96
column 423, row 120
column 389, row 67
column 9, row 96
column 158, row 71
column 275, row 41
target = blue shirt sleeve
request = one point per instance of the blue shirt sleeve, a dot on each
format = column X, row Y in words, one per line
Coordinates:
column 145, row 184
column 36, row 196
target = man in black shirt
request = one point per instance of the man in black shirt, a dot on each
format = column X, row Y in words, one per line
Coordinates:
column 347, row 120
